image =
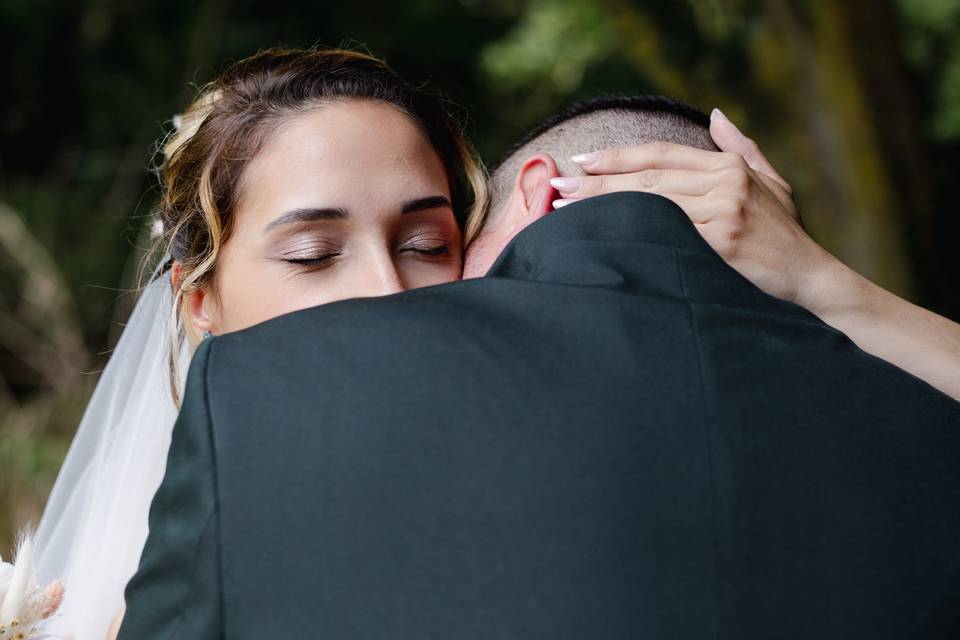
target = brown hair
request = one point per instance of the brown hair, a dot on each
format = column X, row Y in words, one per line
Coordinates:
column 228, row 123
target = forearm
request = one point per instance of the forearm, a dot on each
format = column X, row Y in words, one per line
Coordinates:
column 918, row 341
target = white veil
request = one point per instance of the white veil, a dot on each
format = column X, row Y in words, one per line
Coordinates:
column 94, row 525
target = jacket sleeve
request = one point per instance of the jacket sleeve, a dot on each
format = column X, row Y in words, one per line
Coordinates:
column 176, row 590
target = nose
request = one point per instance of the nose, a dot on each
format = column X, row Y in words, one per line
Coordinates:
column 381, row 278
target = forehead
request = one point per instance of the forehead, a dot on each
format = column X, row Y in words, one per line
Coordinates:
column 348, row 154
column 350, row 130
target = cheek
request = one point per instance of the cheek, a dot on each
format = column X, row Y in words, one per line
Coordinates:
column 481, row 254
column 418, row 273
column 251, row 291
column 260, row 298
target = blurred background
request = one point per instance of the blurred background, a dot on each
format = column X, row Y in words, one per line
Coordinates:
column 856, row 102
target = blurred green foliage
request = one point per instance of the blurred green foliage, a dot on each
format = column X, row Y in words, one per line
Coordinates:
column 856, row 102
column 930, row 29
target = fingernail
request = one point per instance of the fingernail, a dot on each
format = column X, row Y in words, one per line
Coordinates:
column 557, row 204
column 586, row 158
column 716, row 113
column 566, row 185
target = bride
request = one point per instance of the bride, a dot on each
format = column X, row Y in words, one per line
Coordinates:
column 242, row 174
column 245, row 242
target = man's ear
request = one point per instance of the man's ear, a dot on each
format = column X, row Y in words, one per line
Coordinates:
column 531, row 199
column 534, row 193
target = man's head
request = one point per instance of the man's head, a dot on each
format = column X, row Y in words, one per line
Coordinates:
column 520, row 186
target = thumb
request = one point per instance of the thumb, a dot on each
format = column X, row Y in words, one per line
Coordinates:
column 728, row 137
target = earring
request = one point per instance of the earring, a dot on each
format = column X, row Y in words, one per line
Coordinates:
column 207, row 334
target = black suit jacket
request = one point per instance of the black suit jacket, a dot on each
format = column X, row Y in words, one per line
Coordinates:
column 613, row 435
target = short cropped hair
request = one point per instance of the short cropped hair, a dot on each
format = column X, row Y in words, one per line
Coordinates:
column 601, row 123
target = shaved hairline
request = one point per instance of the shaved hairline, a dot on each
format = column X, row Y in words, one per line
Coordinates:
column 601, row 124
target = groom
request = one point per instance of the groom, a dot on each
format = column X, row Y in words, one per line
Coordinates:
column 612, row 434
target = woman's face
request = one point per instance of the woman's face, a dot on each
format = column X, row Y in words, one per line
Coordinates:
column 346, row 200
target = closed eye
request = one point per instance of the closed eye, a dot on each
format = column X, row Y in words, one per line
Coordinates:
column 435, row 251
column 314, row 261
column 428, row 242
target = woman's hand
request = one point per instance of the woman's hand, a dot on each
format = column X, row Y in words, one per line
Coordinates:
column 744, row 210
column 735, row 198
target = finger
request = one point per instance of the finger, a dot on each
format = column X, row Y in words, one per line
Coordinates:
column 785, row 199
column 562, row 202
column 729, row 138
column 774, row 186
column 654, row 155
column 700, row 210
column 679, row 181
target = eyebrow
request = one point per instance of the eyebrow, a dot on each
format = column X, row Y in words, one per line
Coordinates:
column 430, row 202
column 307, row 215
column 311, row 214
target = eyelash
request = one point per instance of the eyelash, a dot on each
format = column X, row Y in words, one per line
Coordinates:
column 442, row 250
column 428, row 244
column 326, row 259
column 318, row 261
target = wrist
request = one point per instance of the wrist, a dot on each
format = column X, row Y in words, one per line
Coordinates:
column 832, row 289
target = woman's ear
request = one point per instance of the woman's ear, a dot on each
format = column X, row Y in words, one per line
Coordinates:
column 176, row 274
column 196, row 302
column 196, row 305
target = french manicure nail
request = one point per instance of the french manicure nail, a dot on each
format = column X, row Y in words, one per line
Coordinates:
column 586, row 158
column 716, row 113
column 566, row 185
column 561, row 203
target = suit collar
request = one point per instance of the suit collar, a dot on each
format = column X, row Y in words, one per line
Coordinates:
column 628, row 217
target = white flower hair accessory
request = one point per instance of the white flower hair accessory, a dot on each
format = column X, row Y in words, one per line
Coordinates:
column 24, row 606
